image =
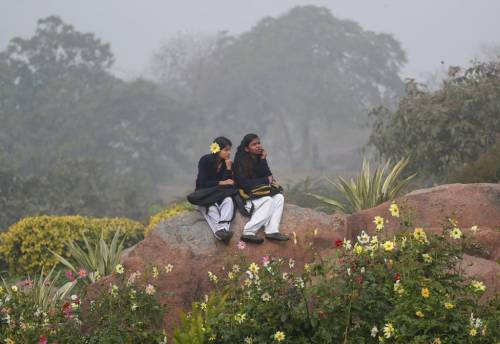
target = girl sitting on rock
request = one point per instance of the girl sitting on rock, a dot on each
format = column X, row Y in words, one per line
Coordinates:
column 216, row 169
column 252, row 170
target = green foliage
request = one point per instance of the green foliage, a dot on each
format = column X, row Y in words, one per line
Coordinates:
column 26, row 246
column 32, row 312
column 407, row 288
column 127, row 312
column 443, row 129
column 486, row 169
column 97, row 258
column 368, row 190
column 42, row 289
column 298, row 193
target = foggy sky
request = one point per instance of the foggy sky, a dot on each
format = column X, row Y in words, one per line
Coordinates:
column 430, row 31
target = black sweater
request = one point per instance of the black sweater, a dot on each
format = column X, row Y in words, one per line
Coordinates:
column 207, row 172
column 260, row 172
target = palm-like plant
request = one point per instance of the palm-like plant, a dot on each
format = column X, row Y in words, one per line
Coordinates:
column 368, row 190
column 96, row 257
column 43, row 290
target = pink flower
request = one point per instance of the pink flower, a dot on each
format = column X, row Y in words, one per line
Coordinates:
column 42, row 340
column 70, row 276
column 82, row 273
column 265, row 260
column 241, row 245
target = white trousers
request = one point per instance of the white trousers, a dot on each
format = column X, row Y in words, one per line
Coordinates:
column 218, row 213
column 267, row 212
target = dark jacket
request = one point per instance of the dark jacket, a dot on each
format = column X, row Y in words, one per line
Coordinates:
column 207, row 172
column 259, row 174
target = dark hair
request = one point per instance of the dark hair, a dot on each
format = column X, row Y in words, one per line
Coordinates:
column 242, row 159
column 223, row 142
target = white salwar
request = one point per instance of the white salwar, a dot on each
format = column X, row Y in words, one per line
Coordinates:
column 219, row 216
column 266, row 213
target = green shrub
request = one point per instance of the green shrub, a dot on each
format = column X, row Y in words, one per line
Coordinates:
column 486, row 169
column 127, row 311
column 368, row 190
column 96, row 258
column 26, row 245
column 29, row 315
column 171, row 211
column 406, row 288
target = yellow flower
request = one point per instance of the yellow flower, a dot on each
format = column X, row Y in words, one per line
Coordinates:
column 279, row 336
column 394, row 210
column 119, row 269
column 398, row 288
column 248, row 340
column 240, row 317
column 307, row 268
column 456, row 233
column 155, row 272
column 214, row 148
column 379, row 222
column 9, row 341
column 419, row 234
column 473, row 332
column 427, row 258
column 14, row 288
column 436, row 341
column 425, row 292
column 478, row 286
column 254, row 268
column 230, row 275
column 419, row 314
column 388, row 245
column 212, row 277
column 388, row 330
column 247, row 282
column 358, row 249
column 448, row 305
column 203, row 306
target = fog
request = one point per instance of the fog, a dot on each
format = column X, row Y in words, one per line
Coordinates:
column 430, row 31
column 100, row 129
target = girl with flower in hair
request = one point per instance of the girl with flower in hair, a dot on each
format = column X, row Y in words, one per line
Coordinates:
column 215, row 169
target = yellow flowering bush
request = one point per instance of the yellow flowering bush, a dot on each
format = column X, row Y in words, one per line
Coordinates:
column 26, row 245
column 171, row 211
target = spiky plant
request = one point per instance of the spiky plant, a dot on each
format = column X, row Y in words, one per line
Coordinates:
column 368, row 190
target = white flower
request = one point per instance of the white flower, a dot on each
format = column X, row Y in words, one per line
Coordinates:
column 374, row 331
column 150, row 289
column 474, row 229
column 74, row 297
column 265, row 297
column 349, row 271
column 347, row 244
column 299, row 282
column 363, row 270
column 363, row 238
column 291, row 263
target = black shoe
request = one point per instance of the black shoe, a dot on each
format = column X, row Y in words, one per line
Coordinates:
column 254, row 239
column 223, row 235
column 277, row 237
